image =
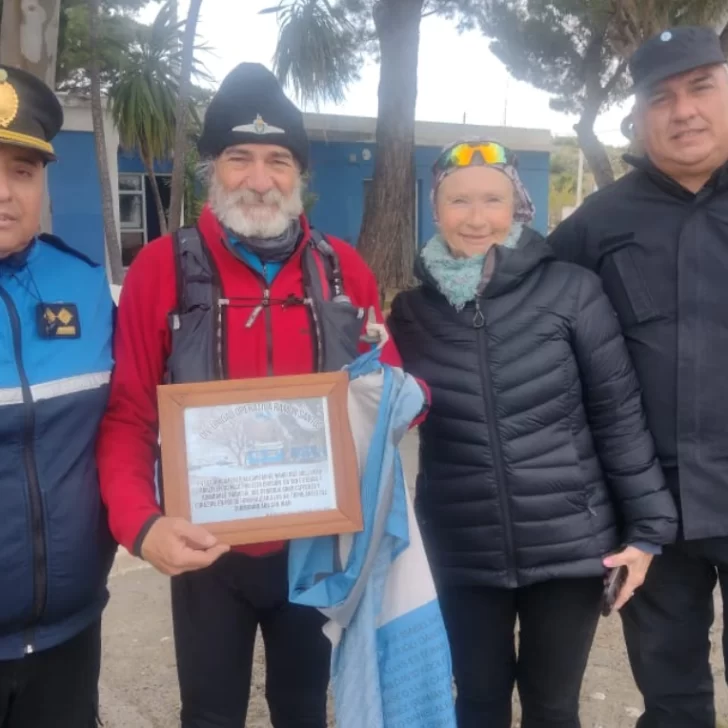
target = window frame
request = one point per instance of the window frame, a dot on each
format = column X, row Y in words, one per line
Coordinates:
column 140, row 193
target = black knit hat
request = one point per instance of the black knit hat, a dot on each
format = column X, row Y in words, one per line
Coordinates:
column 673, row 52
column 251, row 108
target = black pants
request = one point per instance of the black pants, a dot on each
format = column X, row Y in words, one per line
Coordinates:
column 217, row 612
column 557, row 620
column 666, row 626
column 56, row 688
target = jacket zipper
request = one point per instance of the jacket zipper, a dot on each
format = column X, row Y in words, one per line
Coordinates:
column 268, row 322
column 264, row 306
column 40, row 576
column 221, row 338
column 495, row 444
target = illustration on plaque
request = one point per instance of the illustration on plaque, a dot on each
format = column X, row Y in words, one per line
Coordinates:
column 259, row 459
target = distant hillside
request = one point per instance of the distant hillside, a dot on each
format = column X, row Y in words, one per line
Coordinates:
column 564, row 171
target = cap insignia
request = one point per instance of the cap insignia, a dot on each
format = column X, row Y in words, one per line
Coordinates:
column 9, row 101
column 259, row 126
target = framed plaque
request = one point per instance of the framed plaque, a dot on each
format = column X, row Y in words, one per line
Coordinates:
column 259, row 460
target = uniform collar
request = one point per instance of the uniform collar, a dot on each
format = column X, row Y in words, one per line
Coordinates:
column 717, row 183
column 17, row 261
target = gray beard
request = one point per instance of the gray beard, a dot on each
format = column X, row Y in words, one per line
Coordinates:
column 227, row 209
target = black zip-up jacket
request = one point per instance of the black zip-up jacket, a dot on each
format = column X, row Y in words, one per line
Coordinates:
column 662, row 254
column 535, row 460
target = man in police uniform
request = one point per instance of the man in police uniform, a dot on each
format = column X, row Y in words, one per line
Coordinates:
column 56, row 317
column 659, row 239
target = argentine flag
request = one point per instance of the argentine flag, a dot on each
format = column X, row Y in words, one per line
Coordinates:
column 391, row 664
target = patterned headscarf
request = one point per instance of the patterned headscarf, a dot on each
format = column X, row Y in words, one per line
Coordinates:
column 524, row 209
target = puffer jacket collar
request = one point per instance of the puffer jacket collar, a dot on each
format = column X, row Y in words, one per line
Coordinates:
column 510, row 268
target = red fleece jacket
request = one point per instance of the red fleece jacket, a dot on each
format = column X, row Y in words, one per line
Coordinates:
column 128, row 438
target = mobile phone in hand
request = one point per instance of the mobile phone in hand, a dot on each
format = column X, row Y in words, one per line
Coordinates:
column 613, row 584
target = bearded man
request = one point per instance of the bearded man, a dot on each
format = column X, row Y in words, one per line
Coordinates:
column 251, row 292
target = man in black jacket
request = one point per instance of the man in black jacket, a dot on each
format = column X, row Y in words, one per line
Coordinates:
column 659, row 239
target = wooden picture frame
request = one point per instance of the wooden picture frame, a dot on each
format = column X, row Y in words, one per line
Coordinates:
column 219, row 462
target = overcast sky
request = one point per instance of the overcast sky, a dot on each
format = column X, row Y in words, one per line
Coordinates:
column 457, row 73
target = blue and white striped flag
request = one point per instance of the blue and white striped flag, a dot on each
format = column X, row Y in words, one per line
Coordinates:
column 391, row 663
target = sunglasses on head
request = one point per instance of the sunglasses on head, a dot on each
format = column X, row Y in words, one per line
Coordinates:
column 468, row 153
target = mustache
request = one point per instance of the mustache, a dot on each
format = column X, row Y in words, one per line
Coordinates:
column 251, row 197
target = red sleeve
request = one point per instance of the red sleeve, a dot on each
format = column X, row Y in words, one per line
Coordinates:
column 127, row 446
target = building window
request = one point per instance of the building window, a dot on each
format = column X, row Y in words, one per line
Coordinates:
column 132, row 216
column 367, row 188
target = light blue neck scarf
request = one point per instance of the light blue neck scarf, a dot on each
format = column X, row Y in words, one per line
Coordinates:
column 459, row 279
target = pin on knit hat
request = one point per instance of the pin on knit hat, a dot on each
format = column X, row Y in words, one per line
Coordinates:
column 250, row 107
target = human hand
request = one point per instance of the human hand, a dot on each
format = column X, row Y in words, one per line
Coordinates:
column 375, row 333
column 637, row 563
column 175, row 546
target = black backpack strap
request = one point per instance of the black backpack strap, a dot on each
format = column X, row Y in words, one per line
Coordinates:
column 196, row 322
column 330, row 261
column 337, row 322
column 186, row 239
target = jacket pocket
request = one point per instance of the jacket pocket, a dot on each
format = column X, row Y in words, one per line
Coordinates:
column 585, row 459
column 193, row 346
column 627, row 287
column 340, row 325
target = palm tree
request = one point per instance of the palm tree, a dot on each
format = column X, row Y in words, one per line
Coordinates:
column 113, row 247
column 317, row 51
column 143, row 99
column 182, row 135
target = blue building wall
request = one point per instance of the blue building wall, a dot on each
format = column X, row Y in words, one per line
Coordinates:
column 131, row 163
column 338, row 175
column 73, row 185
column 338, row 172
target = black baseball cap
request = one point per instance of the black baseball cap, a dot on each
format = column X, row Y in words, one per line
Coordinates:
column 672, row 52
column 30, row 113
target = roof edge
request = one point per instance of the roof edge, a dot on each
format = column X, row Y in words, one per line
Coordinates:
column 362, row 129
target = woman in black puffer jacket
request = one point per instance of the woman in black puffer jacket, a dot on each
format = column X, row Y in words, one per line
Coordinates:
column 535, row 460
